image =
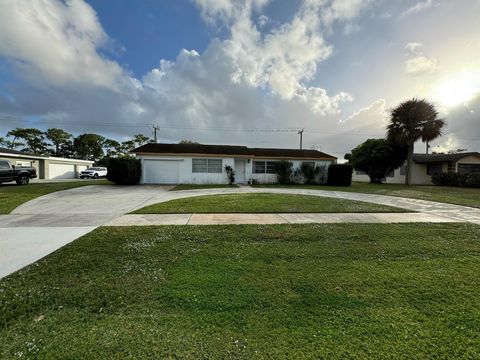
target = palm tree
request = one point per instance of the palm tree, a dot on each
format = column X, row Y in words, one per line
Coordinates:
column 410, row 121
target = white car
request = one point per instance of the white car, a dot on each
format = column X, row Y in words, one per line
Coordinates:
column 94, row 172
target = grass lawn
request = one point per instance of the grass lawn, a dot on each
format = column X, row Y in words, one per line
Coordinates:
column 263, row 203
column 280, row 291
column 12, row 195
column 445, row 194
column 204, row 186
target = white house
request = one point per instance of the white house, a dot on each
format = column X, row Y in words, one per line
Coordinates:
column 425, row 165
column 47, row 167
column 205, row 164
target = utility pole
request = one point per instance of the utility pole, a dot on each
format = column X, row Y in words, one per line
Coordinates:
column 301, row 138
column 428, row 147
column 155, row 128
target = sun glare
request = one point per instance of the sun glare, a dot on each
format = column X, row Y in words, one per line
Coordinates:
column 457, row 89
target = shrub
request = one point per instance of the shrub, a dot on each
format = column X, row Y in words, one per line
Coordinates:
column 455, row 179
column 124, row 170
column 230, row 174
column 340, row 174
column 284, row 172
column 309, row 173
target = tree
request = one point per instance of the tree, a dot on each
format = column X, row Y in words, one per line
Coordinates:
column 34, row 140
column 16, row 134
column 377, row 157
column 410, row 121
column 127, row 146
column 112, row 147
column 140, row 139
column 58, row 138
column 89, row 146
column 185, row 141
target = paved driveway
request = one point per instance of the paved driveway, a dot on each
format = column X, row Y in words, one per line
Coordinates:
column 43, row 225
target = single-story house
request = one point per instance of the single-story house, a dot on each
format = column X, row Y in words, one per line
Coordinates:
column 425, row 165
column 48, row 167
column 205, row 164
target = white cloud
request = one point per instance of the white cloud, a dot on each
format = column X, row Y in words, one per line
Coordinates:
column 413, row 47
column 56, row 43
column 418, row 7
column 420, row 65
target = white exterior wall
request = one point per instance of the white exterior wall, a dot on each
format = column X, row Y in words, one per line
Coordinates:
column 419, row 176
column 186, row 176
column 272, row 178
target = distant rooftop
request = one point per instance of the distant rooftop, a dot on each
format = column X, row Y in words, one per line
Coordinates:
column 441, row 158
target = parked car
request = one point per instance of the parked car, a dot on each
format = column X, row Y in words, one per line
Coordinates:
column 94, row 172
column 20, row 174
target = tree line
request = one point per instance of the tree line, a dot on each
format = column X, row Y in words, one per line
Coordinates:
column 57, row 142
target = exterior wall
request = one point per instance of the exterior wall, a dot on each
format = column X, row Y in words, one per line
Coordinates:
column 272, row 178
column 79, row 165
column 419, row 176
column 186, row 176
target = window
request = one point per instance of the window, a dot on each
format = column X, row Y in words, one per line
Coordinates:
column 434, row 169
column 309, row 163
column 451, row 167
column 403, row 170
column 264, row 167
column 469, row 168
column 4, row 165
column 207, row 165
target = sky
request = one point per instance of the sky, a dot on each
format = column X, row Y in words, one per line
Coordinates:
column 243, row 72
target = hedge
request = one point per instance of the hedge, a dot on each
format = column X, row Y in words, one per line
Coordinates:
column 340, row 175
column 124, row 170
column 455, row 179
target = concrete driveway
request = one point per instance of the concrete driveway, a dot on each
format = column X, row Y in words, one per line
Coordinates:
column 43, row 225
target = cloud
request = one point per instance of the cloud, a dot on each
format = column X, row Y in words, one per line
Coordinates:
column 418, row 7
column 57, row 43
column 418, row 63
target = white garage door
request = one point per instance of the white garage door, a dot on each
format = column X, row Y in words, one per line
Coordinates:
column 161, row 172
column 61, row 171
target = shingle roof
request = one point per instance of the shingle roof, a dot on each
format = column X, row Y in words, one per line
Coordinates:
column 441, row 158
column 230, row 150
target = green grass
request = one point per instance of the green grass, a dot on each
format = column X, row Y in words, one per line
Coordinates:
column 12, row 195
column 445, row 194
column 285, row 291
column 203, row 186
column 263, row 203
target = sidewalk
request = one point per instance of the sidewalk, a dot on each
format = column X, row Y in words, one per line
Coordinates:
column 297, row 218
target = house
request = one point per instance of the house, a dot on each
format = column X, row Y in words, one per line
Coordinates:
column 205, row 164
column 425, row 165
column 47, row 167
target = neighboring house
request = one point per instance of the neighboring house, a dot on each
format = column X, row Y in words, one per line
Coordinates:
column 47, row 167
column 205, row 164
column 425, row 165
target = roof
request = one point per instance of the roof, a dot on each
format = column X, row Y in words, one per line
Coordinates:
column 441, row 158
column 14, row 152
column 27, row 155
column 201, row 149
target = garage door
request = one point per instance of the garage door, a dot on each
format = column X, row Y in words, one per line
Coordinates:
column 161, row 172
column 61, row 171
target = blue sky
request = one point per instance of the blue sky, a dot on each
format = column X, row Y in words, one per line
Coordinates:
column 241, row 71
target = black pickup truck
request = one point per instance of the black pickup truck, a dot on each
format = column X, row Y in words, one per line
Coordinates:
column 20, row 174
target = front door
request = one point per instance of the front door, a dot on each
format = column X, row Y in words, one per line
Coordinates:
column 240, row 170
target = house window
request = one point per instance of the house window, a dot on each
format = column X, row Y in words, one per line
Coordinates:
column 469, row 168
column 403, row 170
column 434, row 169
column 207, row 165
column 451, row 167
column 309, row 163
column 264, row 167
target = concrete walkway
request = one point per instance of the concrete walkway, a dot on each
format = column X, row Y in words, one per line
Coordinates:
column 42, row 225
column 290, row 218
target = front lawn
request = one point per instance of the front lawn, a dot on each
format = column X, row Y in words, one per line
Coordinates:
column 202, row 186
column 12, row 195
column 263, row 203
column 283, row 291
column 445, row 194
